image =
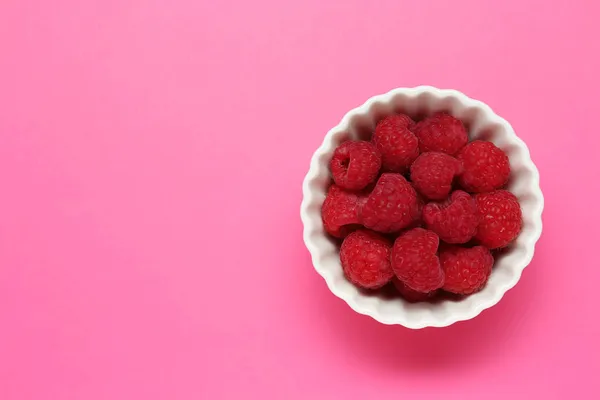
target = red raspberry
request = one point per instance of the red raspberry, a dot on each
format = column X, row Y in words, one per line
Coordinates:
column 355, row 164
column 441, row 132
column 466, row 269
column 411, row 295
column 485, row 167
column 415, row 261
column 365, row 259
column 340, row 212
column 391, row 206
column 500, row 218
column 455, row 220
column 398, row 146
column 432, row 174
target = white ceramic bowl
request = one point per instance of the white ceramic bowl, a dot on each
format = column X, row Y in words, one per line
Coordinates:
column 481, row 122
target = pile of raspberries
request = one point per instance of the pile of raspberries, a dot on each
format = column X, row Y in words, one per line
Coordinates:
column 421, row 207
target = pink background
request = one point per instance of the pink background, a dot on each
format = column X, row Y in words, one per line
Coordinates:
column 151, row 158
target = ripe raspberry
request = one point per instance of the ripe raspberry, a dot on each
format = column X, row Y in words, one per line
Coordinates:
column 455, row 220
column 340, row 212
column 432, row 174
column 499, row 218
column 466, row 269
column 365, row 258
column 441, row 132
column 409, row 294
column 391, row 206
column 355, row 164
column 485, row 167
column 398, row 146
column 415, row 262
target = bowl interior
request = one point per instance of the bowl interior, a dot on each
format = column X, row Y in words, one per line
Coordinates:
column 481, row 123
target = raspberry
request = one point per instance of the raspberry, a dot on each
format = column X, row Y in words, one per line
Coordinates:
column 391, row 206
column 398, row 146
column 365, row 258
column 499, row 218
column 466, row 269
column 415, row 261
column 409, row 294
column 355, row 164
column 432, row 174
column 455, row 220
column 485, row 167
column 340, row 212
column 441, row 132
